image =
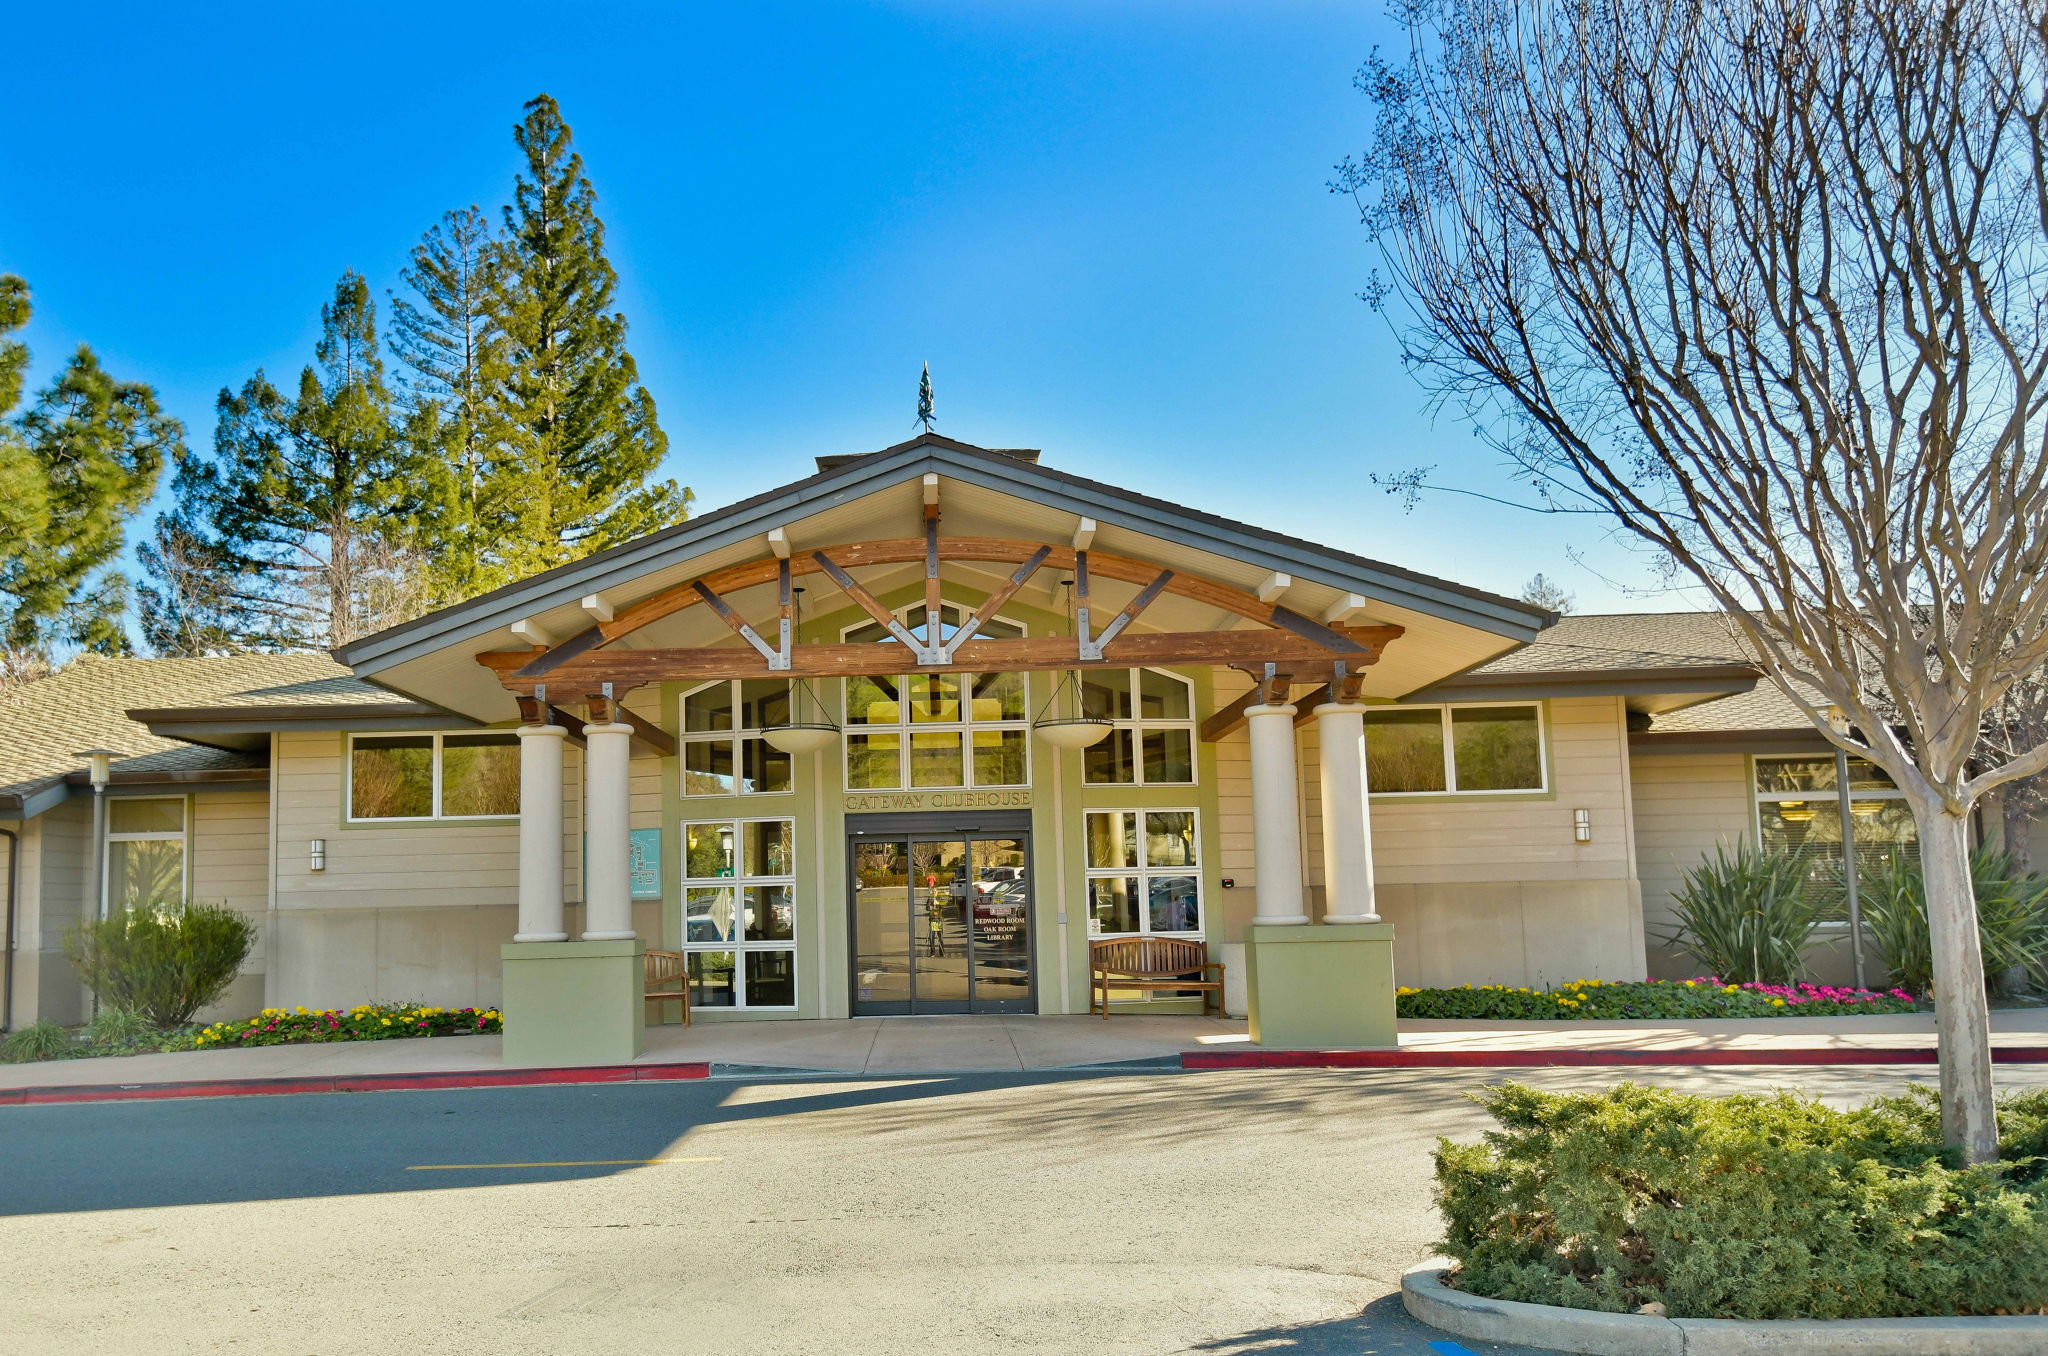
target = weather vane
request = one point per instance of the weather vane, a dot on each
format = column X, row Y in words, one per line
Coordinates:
column 927, row 411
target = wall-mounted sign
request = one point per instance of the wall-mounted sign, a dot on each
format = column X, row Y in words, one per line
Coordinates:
column 643, row 863
column 1017, row 798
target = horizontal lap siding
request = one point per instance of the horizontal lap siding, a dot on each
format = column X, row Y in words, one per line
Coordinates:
column 1506, row 838
column 1685, row 804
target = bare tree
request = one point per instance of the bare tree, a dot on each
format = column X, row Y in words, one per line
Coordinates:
column 1765, row 281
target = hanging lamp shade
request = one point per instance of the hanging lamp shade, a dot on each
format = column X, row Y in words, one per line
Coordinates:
column 1072, row 732
column 808, row 737
column 1069, row 732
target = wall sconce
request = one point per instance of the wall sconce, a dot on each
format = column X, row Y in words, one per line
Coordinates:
column 1582, row 826
column 316, row 859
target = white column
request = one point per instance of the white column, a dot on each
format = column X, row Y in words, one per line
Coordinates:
column 540, row 834
column 1276, row 825
column 1347, row 819
column 607, row 819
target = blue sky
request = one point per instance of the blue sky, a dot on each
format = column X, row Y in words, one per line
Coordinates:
column 1105, row 225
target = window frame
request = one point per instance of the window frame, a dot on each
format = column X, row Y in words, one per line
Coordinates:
column 1451, row 789
column 738, row 882
column 904, row 728
column 1138, row 724
column 1143, row 872
column 348, row 778
column 733, row 737
column 183, row 838
column 1830, row 797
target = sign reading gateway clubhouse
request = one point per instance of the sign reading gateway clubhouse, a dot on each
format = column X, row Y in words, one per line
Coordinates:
column 1016, row 799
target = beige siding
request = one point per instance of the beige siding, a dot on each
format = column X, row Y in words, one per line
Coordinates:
column 1686, row 804
column 1485, row 888
column 410, row 911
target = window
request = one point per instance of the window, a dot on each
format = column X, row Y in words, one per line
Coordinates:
column 723, row 752
column 1419, row 750
column 739, row 912
column 1799, row 809
column 1153, row 742
column 433, row 776
column 145, row 856
column 936, row 730
column 1142, row 873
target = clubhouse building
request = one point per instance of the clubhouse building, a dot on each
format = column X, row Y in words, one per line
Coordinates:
column 906, row 737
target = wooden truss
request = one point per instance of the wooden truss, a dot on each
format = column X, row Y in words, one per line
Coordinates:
column 1290, row 643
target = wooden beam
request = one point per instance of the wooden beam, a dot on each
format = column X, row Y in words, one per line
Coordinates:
column 932, row 602
column 995, row 601
column 739, row 627
column 581, row 643
column 1291, row 654
column 1081, row 611
column 911, row 551
column 868, row 602
column 785, row 622
column 1129, row 614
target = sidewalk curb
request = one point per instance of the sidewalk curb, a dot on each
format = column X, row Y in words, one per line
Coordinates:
column 1527, row 1059
column 1591, row 1333
column 273, row 1087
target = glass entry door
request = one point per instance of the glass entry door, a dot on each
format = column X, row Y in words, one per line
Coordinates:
column 941, row 924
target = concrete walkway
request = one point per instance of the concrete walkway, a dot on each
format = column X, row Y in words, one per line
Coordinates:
column 898, row 1045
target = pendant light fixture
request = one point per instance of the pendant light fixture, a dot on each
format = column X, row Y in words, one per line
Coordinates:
column 1078, row 731
column 797, row 735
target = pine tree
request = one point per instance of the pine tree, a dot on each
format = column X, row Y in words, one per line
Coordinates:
column 74, row 468
column 296, row 532
column 581, row 437
column 449, row 347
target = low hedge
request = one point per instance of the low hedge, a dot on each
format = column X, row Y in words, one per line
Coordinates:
column 365, row 1022
column 1608, row 1000
column 1744, row 1206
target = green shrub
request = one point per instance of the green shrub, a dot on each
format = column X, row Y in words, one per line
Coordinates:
column 2012, row 917
column 1741, row 1207
column 1645, row 999
column 164, row 962
column 38, row 1040
column 120, row 1029
column 1747, row 917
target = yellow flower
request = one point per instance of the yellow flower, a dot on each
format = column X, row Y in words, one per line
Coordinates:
column 387, row 1021
column 1777, row 1002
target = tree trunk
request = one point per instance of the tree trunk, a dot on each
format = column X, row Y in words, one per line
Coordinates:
column 1962, row 1017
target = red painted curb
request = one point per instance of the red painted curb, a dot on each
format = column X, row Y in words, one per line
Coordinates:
column 272, row 1087
column 1525, row 1059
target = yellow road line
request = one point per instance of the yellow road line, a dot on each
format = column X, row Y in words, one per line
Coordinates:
column 566, row 1163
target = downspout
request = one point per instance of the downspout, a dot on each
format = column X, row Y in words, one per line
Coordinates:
column 7, row 974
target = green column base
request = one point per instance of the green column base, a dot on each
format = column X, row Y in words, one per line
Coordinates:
column 1321, row 986
column 574, row 1002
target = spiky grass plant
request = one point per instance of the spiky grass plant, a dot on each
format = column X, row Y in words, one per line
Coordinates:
column 1747, row 916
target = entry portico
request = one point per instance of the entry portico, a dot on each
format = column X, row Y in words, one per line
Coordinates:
column 940, row 618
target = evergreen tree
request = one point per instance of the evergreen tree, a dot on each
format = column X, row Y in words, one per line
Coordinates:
column 580, row 434
column 448, row 344
column 74, row 468
column 294, row 533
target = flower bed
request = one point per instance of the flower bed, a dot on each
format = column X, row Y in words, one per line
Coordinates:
column 1652, row 999
column 365, row 1022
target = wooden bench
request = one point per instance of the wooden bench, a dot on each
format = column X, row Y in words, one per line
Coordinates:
column 1150, row 963
column 665, row 968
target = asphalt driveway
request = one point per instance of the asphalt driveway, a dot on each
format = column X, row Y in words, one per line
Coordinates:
column 1267, row 1211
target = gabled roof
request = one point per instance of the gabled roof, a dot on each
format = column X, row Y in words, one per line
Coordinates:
column 996, row 470
column 93, row 703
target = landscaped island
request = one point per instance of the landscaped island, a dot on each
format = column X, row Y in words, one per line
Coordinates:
column 1755, row 1207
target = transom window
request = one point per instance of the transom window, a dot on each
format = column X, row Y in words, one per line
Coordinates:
column 739, row 912
column 1142, row 873
column 936, row 730
column 722, row 749
column 1153, row 739
column 1799, row 809
column 1425, row 750
column 145, row 852
column 433, row 776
